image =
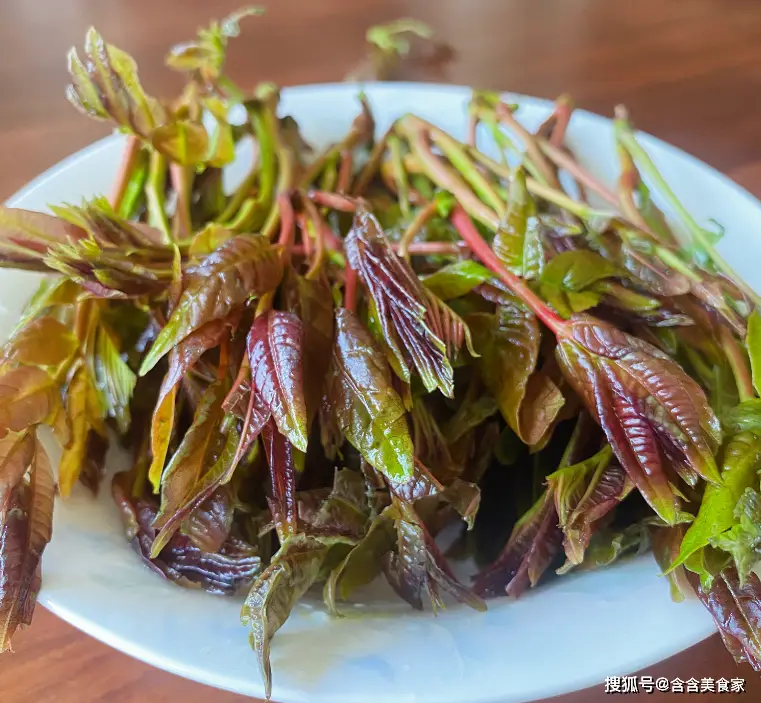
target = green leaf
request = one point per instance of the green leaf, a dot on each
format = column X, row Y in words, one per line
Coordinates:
column 210, row 238
column 26, row 237
column 183, row 141
column 743, row 539
column 362, row 401
column 744, row 417
column 84, row 413
column 518, row 241
column 391, row 37
column 207, row 53
column 243, row 267
column 456, row 280
column 508, row 345
column 311, row 301
column 294, row 568
column 584, row 493
column 217, row 475
column 470, row 414
column 107, row 86
column 734, row 607
column 114, row 379
column 190, row 460
column 609, row 545
column 753, row 344
column 650, row 409
column 52, row 292
column 742, row 460
column 566, row 280
column 418, row 568
column 534, row 541
column 364, row 562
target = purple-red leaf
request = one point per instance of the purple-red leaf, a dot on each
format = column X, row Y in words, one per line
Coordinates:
column 736, row 610
column 584, row 493
column 649, row 409
column 27, row 492
column 275, row 356
column 182, row 358
column 418, row 568
column 241, row 268
column 533, row 544
column 283, row 475
column 227, row 571
column 405, row 310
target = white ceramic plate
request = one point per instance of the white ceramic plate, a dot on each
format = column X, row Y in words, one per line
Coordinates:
column 568, row 635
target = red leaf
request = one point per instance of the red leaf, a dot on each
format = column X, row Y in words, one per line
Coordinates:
column 736, row 610
column 404, row 309
column 26, row 524
column 283, row 475
column 242, row 267
column 648, row 407
column 275, row 356
column 533, row 544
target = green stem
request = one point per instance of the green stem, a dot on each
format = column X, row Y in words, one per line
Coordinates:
column 286, row 181
column 155, row 190
column 458, row 156
column 738, row 362
column 443, row 175
column 134, row 191
column 671, row 259
column 400, row 175
column 369, row 170
column 361, row 131
column 562, row 160
column 566, row 202
column 314, row 228
column 182, row 182
column 505, row 115
column 423, row 216
column 241, row 193
column 329, row 175
column 130, row 161
column 698, row 236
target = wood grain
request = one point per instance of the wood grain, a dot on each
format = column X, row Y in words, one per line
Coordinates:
column 690, row 72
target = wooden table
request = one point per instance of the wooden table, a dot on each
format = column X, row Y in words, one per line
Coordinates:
column 689, row 71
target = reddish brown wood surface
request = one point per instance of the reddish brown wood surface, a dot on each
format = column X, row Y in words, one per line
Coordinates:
column 690, row 72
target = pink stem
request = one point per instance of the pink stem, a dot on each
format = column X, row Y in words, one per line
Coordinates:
column 505, row 114
column 344, row 172
column 350, row 289
column 306, row 241
column 336, row 201
column 182, row 182
column 287, row 225
column 472, row 127
column 562, row 160
column 467, row 230
column 415, row 249
column 563, row 111
column 129, row 158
